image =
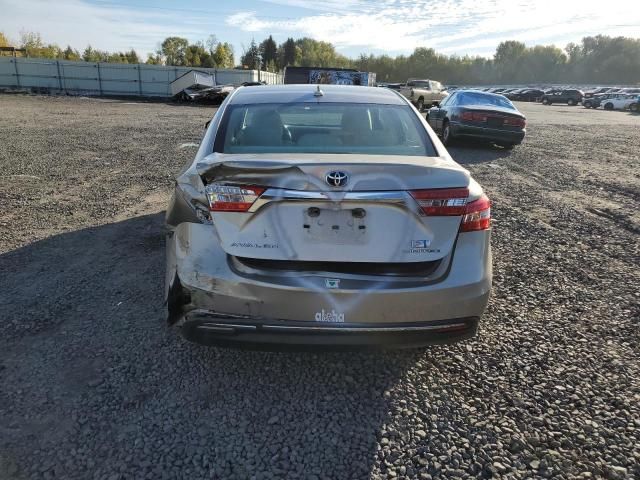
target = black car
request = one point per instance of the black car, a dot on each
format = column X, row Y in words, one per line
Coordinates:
column 527, row 95
column 480, row 115
column 511, row 93
column 570, row 97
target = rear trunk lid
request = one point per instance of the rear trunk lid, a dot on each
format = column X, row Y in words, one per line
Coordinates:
column 299, row 213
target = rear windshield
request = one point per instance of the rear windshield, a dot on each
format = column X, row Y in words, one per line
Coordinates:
column 372, row 129
column 477, row 98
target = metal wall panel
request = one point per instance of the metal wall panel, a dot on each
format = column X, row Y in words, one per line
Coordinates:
column 87, row 78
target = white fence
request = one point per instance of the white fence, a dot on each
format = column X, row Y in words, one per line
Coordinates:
column 88, row 78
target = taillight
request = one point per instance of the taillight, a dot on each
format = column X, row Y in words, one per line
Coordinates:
column 515, row 122
column 477, row 215
column 232, row 198
column 474, row 117
column 442, row 201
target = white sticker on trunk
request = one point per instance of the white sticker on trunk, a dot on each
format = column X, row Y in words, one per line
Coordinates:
column 331, row 317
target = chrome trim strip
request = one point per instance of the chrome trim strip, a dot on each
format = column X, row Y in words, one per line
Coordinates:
column 227, row 326
column 279, row 195
column 365, row 329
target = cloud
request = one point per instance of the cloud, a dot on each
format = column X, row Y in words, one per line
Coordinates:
column 449, row 26
column 354, row 26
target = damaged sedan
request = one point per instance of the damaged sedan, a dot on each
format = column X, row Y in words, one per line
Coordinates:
column 329, row 216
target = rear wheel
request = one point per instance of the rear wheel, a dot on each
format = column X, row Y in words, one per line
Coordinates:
column 608, row 106
column 545, row 101
column 634, row 107
column 571, row 102
column 420, row 104
column 447, row 136
column 587, row 104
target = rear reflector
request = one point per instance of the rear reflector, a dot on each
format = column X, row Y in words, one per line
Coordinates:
column 477, row 215
column 232, row 198
column 442, row 202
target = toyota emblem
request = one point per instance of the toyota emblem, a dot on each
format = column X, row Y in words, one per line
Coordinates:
column 337, row 179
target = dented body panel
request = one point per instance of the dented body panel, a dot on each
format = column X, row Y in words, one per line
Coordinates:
column 307, row 261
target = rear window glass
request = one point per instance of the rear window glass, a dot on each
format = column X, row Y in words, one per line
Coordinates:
column 477, row 98
column 372, row 129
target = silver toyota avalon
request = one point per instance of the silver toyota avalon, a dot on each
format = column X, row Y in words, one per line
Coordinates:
column 325, row 215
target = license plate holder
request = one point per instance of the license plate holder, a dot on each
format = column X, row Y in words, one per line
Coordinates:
column 495, row 122
column 339, row 227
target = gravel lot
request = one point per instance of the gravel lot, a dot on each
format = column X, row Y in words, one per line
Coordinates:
column 94, row 385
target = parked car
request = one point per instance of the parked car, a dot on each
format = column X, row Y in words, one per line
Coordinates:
column 325, row 215
column 570, row 97
column 517, row 95
column 633, row 91
column 619, row 101
column 423, row 93
column 480, row 115
column 528, row 95
column 512, row 92
column 597, row 91
column 596, row 100
column 392, row 86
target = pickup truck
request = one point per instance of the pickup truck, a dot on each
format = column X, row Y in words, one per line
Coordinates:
column 423, row 93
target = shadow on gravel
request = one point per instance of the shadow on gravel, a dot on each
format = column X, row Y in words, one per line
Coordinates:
column 468, row 152
column 94, row 383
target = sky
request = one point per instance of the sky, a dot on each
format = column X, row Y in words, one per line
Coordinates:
column 473, row 27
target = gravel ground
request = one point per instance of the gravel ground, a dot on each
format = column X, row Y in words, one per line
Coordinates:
column 93, row 384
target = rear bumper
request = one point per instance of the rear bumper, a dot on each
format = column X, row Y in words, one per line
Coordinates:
column 208, row 328
column 493, row 134
column 251, row 307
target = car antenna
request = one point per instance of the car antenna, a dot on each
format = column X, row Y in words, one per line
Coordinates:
column 318, row 92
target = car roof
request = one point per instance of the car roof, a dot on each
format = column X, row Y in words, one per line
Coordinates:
column 307, row 93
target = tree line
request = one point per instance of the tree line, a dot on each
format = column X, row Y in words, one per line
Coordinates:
column 600, row 59
column 595, row 59
column 174, row 51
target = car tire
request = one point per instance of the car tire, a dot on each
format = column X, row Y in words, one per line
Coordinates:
column 608, row 106
column 545, row 101
column 447, row 136
column 586, row 104
column 420, row 104
column 634, row 107
column 571, row 102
